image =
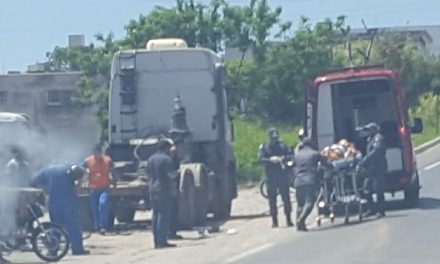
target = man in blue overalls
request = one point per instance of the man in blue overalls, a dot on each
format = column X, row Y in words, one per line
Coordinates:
column 59, row 180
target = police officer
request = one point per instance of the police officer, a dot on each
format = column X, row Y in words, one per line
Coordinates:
column 59, row 179
column 159, row 168
column 273, row 154
column 307, row 160
column 375, row 164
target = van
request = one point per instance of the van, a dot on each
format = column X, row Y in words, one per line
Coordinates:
column 338, row 104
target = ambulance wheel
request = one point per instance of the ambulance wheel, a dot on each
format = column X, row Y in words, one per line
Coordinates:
column 412, row 194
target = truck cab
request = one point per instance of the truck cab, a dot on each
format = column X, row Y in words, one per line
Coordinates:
column 340, row 103
column 148, row 89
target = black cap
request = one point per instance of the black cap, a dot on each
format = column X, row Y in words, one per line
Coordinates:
column 97, row 147
column 372, row 125
column 273, row 133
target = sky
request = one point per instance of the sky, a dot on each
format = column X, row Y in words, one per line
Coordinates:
column 30, row 28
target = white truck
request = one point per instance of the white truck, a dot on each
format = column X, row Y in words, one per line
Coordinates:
column 174, row 91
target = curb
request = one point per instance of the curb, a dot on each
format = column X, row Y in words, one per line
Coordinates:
column 424, row 147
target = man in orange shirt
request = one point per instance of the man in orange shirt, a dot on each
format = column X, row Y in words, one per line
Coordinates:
column 99, row 166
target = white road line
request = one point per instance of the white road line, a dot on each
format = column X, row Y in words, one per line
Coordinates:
column 432, row 166
column 249, row 252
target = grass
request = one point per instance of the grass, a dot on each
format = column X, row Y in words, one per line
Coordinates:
column 428, row 134
column 427, row 111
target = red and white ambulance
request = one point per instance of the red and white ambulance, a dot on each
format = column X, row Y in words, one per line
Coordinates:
column 340, row 103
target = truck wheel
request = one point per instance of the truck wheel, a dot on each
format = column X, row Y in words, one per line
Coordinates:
column 412, row 193
column 201, row 201
column 85, row 213
column 125, row 214
column 187, row 201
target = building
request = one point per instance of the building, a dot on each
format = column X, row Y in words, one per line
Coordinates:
column 421, row 37
column 47, row 99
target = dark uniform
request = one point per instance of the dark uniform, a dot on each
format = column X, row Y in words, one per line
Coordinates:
column 277, row 176
column 159, row 166
column 375, row 163
column 59, row 179
column 306, row 180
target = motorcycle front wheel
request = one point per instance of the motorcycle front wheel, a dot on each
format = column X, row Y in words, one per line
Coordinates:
column 50, row 242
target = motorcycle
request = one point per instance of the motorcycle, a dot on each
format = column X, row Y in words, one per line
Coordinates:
column 48, row 241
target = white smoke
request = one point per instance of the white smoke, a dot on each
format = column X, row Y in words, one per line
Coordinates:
column 8, row 207
column 39, row 149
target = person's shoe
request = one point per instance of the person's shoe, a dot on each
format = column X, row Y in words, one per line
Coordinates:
column 82, row 253
column 102, row 231
column 369, row 213
column 301, row 226
column 167, row 245
column 175, row 237
column 289, row 221
column 274, row 222
column 380, row 215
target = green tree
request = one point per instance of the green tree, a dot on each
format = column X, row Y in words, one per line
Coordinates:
column 94, row 63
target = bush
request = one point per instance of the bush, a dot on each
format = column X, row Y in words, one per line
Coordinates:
column 249, row 134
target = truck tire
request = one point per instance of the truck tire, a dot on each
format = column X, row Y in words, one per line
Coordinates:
column 412, row 193
column 202, row 195
column 85, row 213
column 187, row 200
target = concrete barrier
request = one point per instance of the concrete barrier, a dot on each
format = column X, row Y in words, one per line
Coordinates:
column 424, row 147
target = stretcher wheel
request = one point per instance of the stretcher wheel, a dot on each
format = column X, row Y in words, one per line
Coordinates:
column 332, row 218
column 318, row 221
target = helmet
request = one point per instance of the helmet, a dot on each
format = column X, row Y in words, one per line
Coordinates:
column 326, row 151
column 76, row 171
column 338, row 150
column 344, row 142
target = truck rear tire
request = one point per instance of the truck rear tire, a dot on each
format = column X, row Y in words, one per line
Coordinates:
column 412, row 194
column 187, row 201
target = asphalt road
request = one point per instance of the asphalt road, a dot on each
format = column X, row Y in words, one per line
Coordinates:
column 404, row 236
